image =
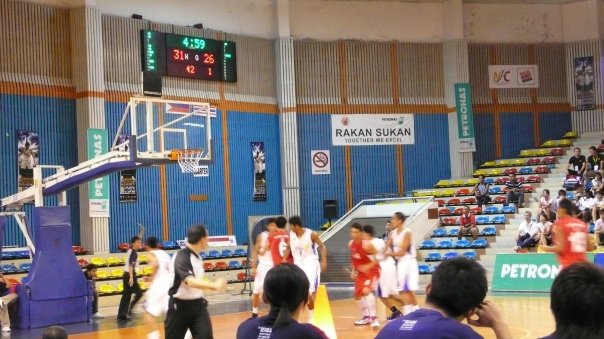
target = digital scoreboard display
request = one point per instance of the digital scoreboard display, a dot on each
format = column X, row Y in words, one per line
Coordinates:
column 189, row 57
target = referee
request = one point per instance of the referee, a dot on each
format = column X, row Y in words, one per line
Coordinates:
column 187, row 309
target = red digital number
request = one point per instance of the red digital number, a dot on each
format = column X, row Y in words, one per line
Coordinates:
column 210, row 71
column 208, row 59
column 178, row 54
column 190, row 69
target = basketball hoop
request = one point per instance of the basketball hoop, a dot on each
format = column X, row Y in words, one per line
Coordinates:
column 188, row 159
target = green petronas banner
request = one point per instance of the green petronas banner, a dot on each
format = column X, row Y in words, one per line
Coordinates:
column 465, row 117
column 98, row 189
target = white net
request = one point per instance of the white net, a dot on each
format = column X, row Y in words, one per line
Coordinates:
column 188, row 160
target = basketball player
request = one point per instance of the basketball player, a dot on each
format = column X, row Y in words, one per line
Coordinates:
column 387, row 289
column 303, row 245
column 406, row 263
column 156, row 303
column 279, row 242
column 262, row 254
column 365, row 273
column 569, row 236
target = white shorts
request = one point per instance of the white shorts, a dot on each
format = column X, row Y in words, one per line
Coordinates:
column 157, row 298
column 408, row 274
column 388, row 282
column 261, row 271
column 313, row 273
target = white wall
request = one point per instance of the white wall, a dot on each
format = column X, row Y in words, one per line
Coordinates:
column 512, row 23
column 576, row 22
column 366, row 20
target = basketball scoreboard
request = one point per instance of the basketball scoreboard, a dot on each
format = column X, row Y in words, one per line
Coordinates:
column 188, row 57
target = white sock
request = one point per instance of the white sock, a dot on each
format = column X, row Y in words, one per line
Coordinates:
column 154, row 335
column 188, row 335
column 363, row 307
column 370, row 304
column 409, row 308
column 255, row 310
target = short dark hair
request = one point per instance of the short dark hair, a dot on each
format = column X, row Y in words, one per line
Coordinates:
column 296, row 220
column 577, row 148
column 91, row 267
column 399, row 216
column 458, row 286
column 285, row 288
column 369, row 230
column 135, row 239
column 593, row 148
column 480, row 176
column 195, row 233
column 281, row 222
column 357, row 226
column 54, row 332
column 271, row 221
column 567, row 206
column 577, row 296
column 152, row 242
column 562, row 192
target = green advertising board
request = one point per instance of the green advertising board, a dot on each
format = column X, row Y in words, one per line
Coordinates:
column 465, row 117
column 98, row 189
column 531, row 272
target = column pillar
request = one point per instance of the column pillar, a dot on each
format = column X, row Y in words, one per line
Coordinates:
column 88, row 79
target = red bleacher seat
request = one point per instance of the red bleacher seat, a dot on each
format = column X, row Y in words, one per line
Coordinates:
column 440, row 202
column 501, row 180
column 454, row 201
column 459, row 211
column 499, row 200
column 208, row 266
column 444, row 211
column 533, row 161
column 509, row 171
column 520, row 179
column 241, row 276
column 527, row 188
column 123, row 247
column 469, row 201
column 557, row 151
column 222, row 265
column 549, row 160
column 77, row 250
column 83, row 262
column 533, row 178
column 462, row 192
column 476, row 210
column 542, row 169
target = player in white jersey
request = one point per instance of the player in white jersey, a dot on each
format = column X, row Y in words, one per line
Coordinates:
column 406, row 262
column 305, row 247
column 262, row 261
column 156, row 297
column 387, row 289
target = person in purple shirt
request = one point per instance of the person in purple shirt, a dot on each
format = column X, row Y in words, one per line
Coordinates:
column 577, row 297
column 286, row 290
column 457, row 292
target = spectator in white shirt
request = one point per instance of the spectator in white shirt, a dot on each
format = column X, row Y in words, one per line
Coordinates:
column 599, row 229
column 596, row 183
column 546, row 203
column 585, row 203
column 598, row 205
column 545, row 228
column 528, row 233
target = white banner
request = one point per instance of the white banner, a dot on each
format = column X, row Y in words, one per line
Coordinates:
column 372, row 129
column 202, row 171
column 513, row 76
column 321, row 162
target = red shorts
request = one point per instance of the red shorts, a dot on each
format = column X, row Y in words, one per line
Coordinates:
column 365, row 280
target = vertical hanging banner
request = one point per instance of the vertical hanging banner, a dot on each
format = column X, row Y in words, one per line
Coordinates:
column 127, row 177
column 28, row 155
column 465, row 117
column 258, row 157
column 98, row 189
column 584, row 83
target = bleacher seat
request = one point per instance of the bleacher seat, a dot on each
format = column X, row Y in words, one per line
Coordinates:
column 570, row 135
column 440, row 202
column 442, row 183
column 557, row 151
column 518, row 162
column 433, row 256
column 479, row 172
column 494, row 190
column 213, row 254
column 470, row 182
column 470, row 255
column 241, row 276
column 549, row 143
column 527, row 188
column 100, row 274
column 549, row 160
column 453, row 232
column 488, row 164
column 501, row 181
column 100, row 262
column 25, row 267
column 446, row 211
column 450, row 255
column 526, row 170
column 476, row 210
column 445, row 244
column 542, row 170
column 143, row 285
column 83, row 262
column 508, row 209
column 139, row 272
column 494, row 172
column 462, row 192
column 483, row 219
column 456, row 183
column 204, row 255
column 120, row 287
column 499, row 199
column 244, row 263
column 502, row 162
column 208, row 266
column 459, row 211
column 489, row 231
column 564, row 143
column 447, row 193
column 222, row 265
column 235, row 264
column 534, row 179
column 463, row 243
column 423, row 269
column 106, row 289
column 509, row 171
column 489, row 181
column 226, row 254
column 479, row 243
column 491, row 210
column 9, row 268
column 439, row 232
column 449, row 221
column 114, row 261
column 143, row 258
column 453, row 201
column 570, row 195
column 499, row 219
column 427, row 244
column 533, row 161
column 527, row 153
column 148, row 270
column 117, row 273
column 469, row 201
column 170, row 245
column 520, row 179
column 240, row 252
column 123, row 247
column 78, row 250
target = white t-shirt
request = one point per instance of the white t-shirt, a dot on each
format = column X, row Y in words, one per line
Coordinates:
column 599, row 225
column 545, row 227
column 531, row 228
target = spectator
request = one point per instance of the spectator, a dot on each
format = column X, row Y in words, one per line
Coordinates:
column 561, row 195
column 7, row 300
column 457, row 291
column 286, row 290
column 54, row 332
column 577, row 296
column 468, row 225
column 90, row 274
column 584, row 203
column 597, row 205
column 514, row 193
column 481, row 191
column 545, row 228
column 577, row 165
column 528, row 231
column 596, row 183
column 599, row 229
column 546, row 203
column 570, row 240
column 595, row 162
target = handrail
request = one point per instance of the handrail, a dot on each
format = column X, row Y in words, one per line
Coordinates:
column 345, row 218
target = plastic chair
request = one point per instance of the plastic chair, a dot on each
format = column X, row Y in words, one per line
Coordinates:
column 483, row 219
column 499, row 199
column 495, row 172
column 557, row 151
column 508, row 209
column 470, row 182
column 570, row 135
column 102, row 274
column 117, row 273
column 240, row 252
column 499, row 219
column 509, row 171
column 120, row 287
column 423, row 269
column 479, row 243
column 491, row 210
column 469, row 201
column 488, row 164
column 453, row 232
column 489, row 181
column 143, row 258
column 494, row 190
column 83, row 262
column 453, row 201
column 518, row 162
column 527, row 188
column 533, row 161
column 440, row 202
column 479, row 172
column 433, row 256
column 502, row 163
column 470, row 255
column 213, row 254
column 549, row 143
column 462, row 192
column 208, row 266
column 123, row 247
column 447, row 193
column 442, row 183
column 226, row 254
column 427, row 244
column 100, row 262
column 106, row 289
column 439, row 232
column 235, row 264
column 489, row 231
column 114, row 261
column 148, row 270
column 222, row 265
column 476, row 210
column 445, row 244
column 450, row 255
column 534, row 179
column 527, row 153
column 459, row 211
column 526, row 170
column 462, row 243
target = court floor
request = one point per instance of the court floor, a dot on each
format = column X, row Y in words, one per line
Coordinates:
column 528, row 316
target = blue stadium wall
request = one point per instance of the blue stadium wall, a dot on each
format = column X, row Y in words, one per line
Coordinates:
column 243, row 128
column 374, row 169
column 55, row 121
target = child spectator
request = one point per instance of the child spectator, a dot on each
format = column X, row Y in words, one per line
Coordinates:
column 90, row 274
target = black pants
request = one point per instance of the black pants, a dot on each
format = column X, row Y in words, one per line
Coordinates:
column 125, row 305
column 186, row 315
column 483, row 200
column 95, row 302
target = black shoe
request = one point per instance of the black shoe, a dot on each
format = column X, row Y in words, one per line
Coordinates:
column 254, row 315
column 124, row 318
column 394, row 315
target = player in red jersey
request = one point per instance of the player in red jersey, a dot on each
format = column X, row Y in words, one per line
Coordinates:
column 278, row 242
column 569, row 236
column 365, row 273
